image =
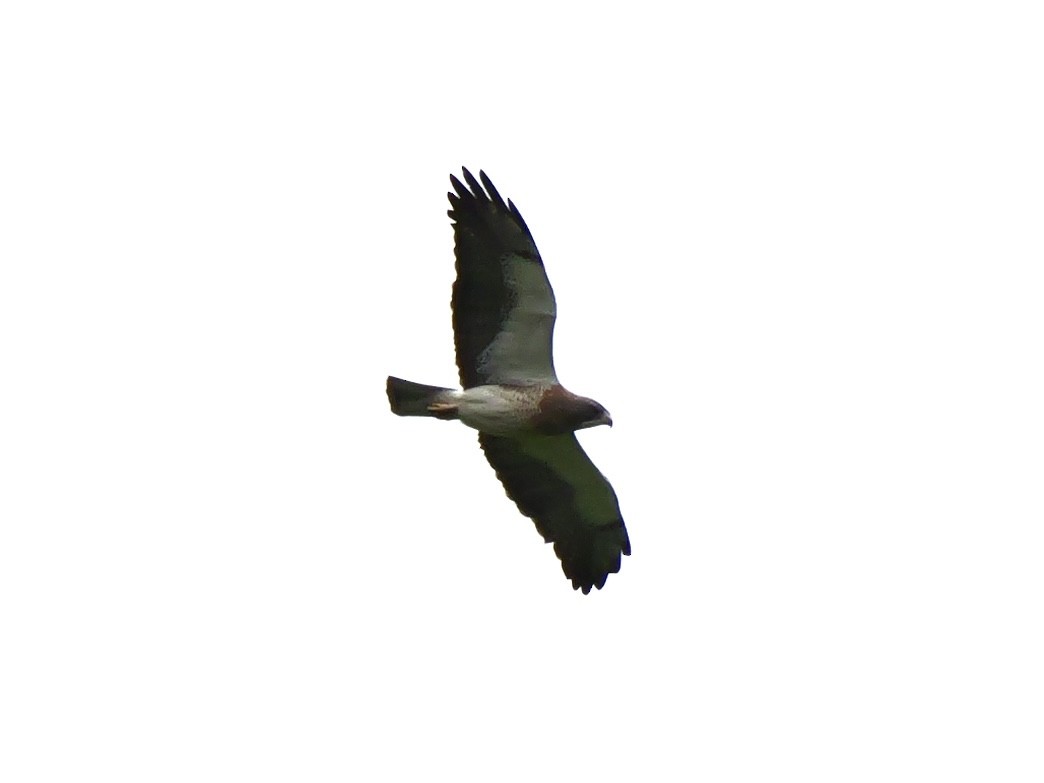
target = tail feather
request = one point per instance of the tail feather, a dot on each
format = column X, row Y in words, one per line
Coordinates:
column 412, row 399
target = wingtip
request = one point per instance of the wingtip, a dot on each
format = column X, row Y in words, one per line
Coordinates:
column 475, row 186
column 586, row 587
column 458, row 188
column 492, row 190
column 470, row 188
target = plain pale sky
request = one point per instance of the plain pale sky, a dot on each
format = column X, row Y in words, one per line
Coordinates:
column 797, row 251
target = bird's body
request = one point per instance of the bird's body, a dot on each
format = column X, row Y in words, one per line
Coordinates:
column 499, row 410
column 503, row 409
column 503, row 321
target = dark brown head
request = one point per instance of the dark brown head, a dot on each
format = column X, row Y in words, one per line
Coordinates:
column 593, row 414
column 562, row 411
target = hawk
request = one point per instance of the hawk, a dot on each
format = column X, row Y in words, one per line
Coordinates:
column 503, row 324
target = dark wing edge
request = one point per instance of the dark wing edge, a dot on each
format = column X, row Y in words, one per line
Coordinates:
column 487, row 231
column 554, row 482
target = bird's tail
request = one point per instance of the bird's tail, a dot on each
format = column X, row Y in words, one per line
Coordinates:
column 415, row 399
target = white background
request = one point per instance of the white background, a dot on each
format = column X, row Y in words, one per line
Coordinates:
column 797, row 250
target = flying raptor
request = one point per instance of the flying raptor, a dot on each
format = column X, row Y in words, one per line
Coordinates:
column 503, row 323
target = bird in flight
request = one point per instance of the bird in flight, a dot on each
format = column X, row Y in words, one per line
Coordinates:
column 503, row 324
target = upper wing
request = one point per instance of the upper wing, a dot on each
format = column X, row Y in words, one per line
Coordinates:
column 503, row 305
column 553, row 481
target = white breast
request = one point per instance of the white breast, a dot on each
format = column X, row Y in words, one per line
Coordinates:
column 499, row 410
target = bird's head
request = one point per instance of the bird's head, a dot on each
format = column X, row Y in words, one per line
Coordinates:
column 561, row 411
column 594, row 415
